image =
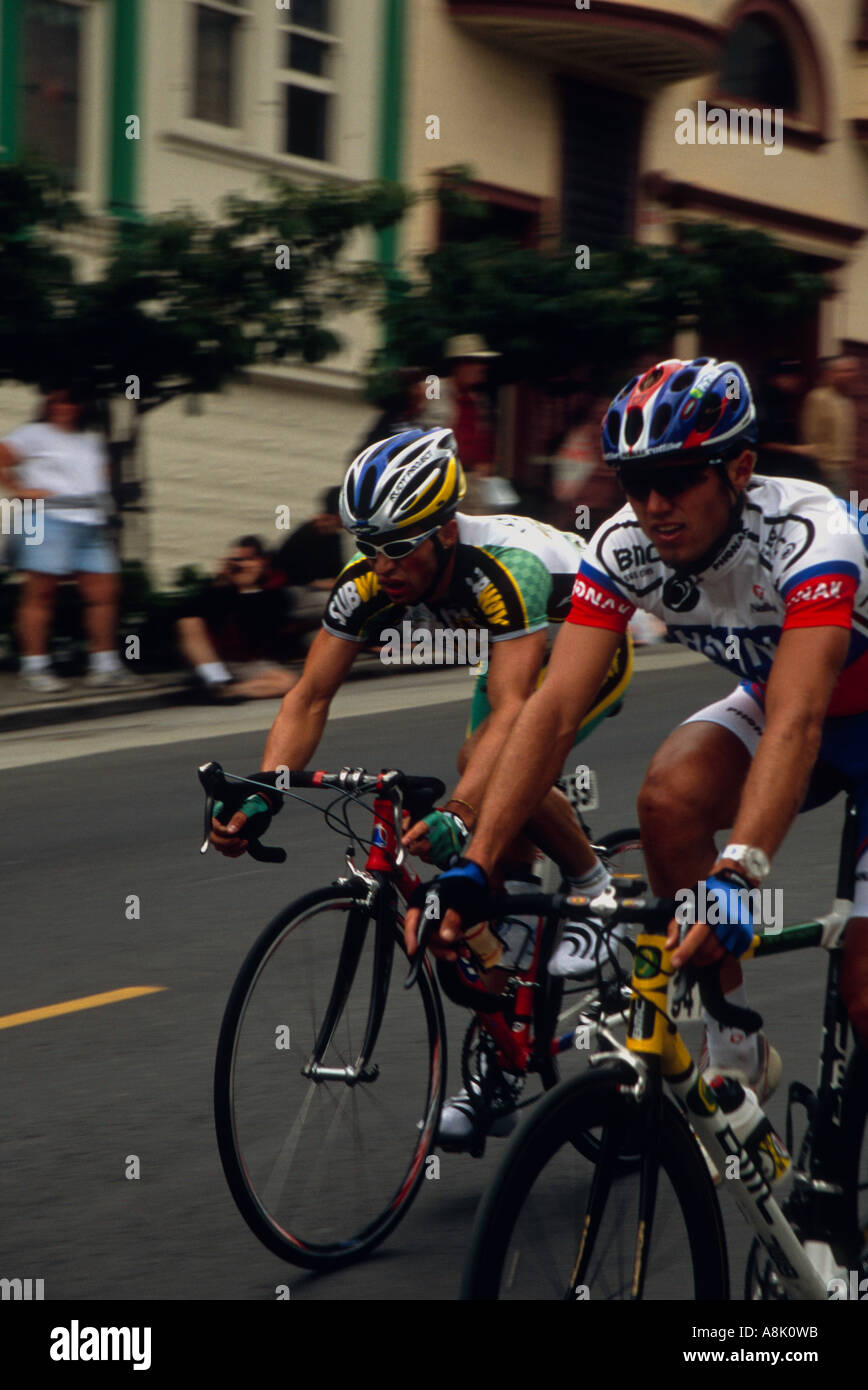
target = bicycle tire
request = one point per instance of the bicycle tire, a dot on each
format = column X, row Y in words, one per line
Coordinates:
column 303, row 1178
column 528, row 1193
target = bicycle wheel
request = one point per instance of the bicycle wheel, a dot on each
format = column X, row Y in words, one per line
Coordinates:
column 526, row 1240
column 322, row 1170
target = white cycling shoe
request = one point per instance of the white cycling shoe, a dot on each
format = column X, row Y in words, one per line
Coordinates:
column 581, row 953
column 466, row 1122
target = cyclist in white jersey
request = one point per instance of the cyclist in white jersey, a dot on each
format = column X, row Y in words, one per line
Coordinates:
column 767, row 577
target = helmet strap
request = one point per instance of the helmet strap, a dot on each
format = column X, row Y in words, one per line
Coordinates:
column 734, row 525
column 444, row 554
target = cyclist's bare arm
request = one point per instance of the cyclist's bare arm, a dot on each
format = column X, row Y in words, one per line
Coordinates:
column 297, row 730
column 806, row 666
column 513, row 671
column 533, row 755
column 803, row 675
column 542, row 736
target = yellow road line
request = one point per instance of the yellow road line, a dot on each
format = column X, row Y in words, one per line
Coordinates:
column 72, row 1006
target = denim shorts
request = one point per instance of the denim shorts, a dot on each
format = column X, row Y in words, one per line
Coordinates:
column 66, row 547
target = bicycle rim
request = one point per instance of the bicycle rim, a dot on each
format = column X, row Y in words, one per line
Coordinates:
column 529, row 1229
column 322, row 1169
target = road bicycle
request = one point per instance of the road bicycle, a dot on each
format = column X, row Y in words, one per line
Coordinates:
column 605, row 1193
column 329, row 1080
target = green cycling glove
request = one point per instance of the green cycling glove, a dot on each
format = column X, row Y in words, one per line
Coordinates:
column 447, row 836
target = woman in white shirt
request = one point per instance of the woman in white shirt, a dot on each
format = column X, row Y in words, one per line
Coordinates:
column 60, row 473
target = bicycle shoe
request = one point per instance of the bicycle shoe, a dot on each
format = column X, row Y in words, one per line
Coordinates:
column 464, row 1121
column 580, row 952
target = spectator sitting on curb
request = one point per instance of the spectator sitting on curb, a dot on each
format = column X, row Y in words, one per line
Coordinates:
column 309, row 562
column 231, row 632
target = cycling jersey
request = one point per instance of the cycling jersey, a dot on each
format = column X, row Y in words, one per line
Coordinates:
column 798, row 559
column 512, row 576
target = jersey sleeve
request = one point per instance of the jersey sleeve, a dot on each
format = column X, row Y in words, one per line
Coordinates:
column 355, row 603
column 514, row 599
column 818, row 580
column 597, row 600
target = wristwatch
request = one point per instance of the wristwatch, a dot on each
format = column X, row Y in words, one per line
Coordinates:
column 754, row 863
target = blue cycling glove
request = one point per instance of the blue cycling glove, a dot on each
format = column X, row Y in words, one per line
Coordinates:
column 727, row 910
column 464, row 888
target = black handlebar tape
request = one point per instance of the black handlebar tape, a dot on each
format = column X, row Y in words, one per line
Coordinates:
column 216, row 787
column 714, row 1000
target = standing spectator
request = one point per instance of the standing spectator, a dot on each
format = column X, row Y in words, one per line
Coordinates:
column 310, row 560
column 403, row 412
column 828, row 422
column 467, row 410
column 782, row 454
column 232, row 633
column 580, row 476
column 58, row 461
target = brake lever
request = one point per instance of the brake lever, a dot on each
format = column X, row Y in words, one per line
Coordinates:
column 419, row 954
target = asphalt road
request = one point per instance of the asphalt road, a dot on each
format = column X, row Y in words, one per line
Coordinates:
column 85, row 1092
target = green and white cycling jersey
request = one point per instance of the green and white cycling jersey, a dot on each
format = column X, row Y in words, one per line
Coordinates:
column 512, row 576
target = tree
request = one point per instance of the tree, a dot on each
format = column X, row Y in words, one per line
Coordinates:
column 183, row 303
column 554, row 312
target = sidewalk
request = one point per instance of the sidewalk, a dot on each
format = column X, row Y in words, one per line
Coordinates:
column 20, row 710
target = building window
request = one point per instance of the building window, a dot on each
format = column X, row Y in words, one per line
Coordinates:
column 601, row 132
column 216, row 57
column 758, row 66
column 51, row 48
column 307, row 44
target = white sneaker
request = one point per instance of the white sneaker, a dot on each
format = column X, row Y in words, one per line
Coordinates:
column 43, row 683
column 118, row 679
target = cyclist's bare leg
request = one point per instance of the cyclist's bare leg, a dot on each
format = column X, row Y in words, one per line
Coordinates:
column 691, row 790
column 553, row 828
column 854, row 975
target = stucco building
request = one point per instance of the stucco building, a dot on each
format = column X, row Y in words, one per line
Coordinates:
column 568, row 114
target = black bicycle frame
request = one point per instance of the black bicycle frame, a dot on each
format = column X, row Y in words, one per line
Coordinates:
column 819, row 1197
column 355, row 934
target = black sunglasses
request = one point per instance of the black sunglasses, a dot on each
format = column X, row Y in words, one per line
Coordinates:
column 669, row 482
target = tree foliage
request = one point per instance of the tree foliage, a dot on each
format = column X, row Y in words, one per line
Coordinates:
column 183, row 302
column 552, row 313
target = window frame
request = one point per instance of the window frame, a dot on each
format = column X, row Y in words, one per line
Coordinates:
column 286, row 77
column 807, row 127
column 244, row 13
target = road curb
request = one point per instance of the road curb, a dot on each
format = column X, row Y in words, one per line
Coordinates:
column 176, row 691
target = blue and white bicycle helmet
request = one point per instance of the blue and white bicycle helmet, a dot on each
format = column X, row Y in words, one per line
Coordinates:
column 704, row 408
column 403, row 481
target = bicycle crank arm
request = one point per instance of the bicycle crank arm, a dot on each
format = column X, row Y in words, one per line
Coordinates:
column 314, row 1071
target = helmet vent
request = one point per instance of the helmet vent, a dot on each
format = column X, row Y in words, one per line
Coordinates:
column 613, row 424
column 682, row 381
column 651, row 378
column 365, row 494
column 662, row 416
column 633, row 425
column 709, row 412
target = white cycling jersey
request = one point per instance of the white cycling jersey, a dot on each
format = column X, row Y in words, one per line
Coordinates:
column 799, row 559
